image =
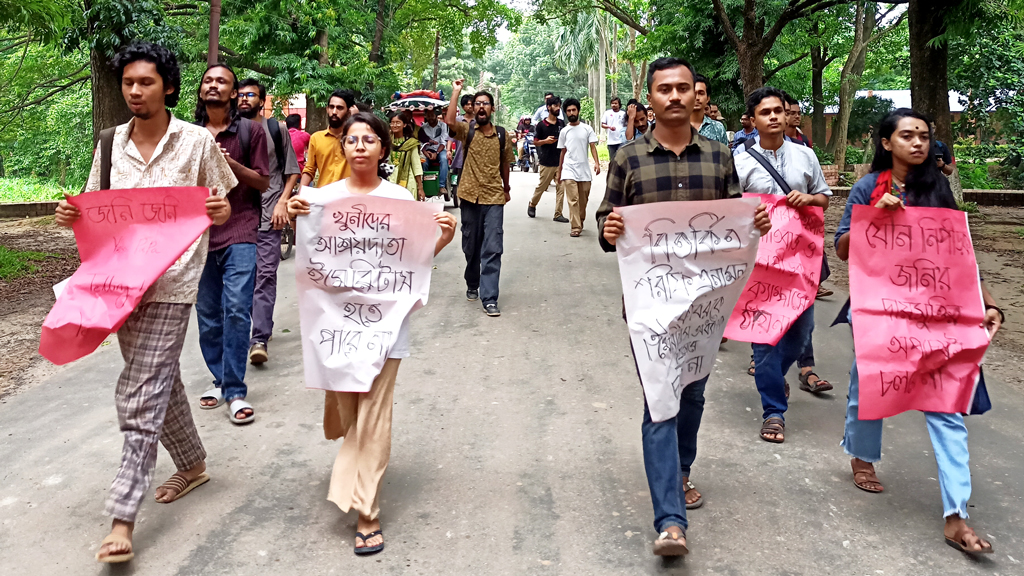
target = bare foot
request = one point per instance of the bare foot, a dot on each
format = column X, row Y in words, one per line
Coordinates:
column 366, row 526
column 122, row 529
column 165, row 495
column 970, row 541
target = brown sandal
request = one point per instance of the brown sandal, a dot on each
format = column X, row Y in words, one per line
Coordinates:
column 958, row 542
column 818, row 385
column 776, row 426
column 864, row 476
column 180, row 486
column 115, row 558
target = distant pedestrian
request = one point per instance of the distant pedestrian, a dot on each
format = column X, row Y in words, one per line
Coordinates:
column 299, row 137
column 614, row 121
column 483, row 193
column 434, row 137
column 224, row 304
column 324, row 161
column 155, row 150
column 284, row 176
column 548, row 155
column 542, row 111
column 405, row 157
column 364, row 419
column 573, row 173
column 903, row 173
column 703, row 168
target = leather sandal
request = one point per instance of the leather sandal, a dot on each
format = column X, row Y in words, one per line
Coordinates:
column 958, row 542
column 818, row 385
column 775, row 426
column 864, row 476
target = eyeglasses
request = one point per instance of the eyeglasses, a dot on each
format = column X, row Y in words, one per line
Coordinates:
column 481, row 103
column 248, row 94
column 368, row 139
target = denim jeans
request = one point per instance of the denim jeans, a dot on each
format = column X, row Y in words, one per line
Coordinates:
column 772, row 362
column 482, row 242
column 806, row 359
column 268, row 258
column 669, row 450
column 223, row 308
column 613, row 149
column 863, row 439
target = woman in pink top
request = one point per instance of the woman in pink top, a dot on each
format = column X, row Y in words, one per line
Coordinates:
column 300, row 138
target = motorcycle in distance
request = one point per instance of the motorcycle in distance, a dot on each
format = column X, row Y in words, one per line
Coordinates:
column 528, row 159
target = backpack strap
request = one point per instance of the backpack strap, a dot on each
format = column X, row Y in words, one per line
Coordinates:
column 747, row 143
column 469, row 138
column 245, row 137
column 501, row 144
column 106, row 149
column 786, row 188
column 275, row 135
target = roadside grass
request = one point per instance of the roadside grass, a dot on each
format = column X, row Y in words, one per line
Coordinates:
column 969, row 207
column 1019, row 232
column 16, row 264
column 30, row 190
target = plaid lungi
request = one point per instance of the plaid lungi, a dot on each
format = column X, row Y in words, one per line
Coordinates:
column 151, row 403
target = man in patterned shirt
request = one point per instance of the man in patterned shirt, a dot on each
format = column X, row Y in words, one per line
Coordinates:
column 672, row 162
column 155, row 149
column 706, row 126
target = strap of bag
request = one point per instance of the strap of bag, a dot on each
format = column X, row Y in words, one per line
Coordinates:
column 106, row 149
column 786, row 188
column 275, row 135
column 245, row 137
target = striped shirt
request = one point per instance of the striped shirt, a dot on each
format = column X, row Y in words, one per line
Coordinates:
column 644, row 171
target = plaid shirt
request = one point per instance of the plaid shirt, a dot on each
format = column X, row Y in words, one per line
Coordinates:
column 644, row 171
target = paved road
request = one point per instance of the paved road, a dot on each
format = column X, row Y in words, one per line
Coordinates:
column 516, row 451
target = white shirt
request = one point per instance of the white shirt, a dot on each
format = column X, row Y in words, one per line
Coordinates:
column 542, row 113
column 797, row 165
column 187, row 155
column 576, row 140
column 401, row 348
column 437, row 133
column 616, row 120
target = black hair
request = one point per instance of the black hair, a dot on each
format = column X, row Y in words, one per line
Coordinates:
column 571, row 102
column 256, row 83
column 466, row 98
column 925, row 184
column 347, row 95
column 293, row 121
column 700, row 79
column 364, row 107
column 379, row 128
column 407, row 131
column 666, row 64
column 548, row 95
column 790, row 100
column 202, row 118
column 484, row 93
column 164, row 60
column 760, row 94
column 553, row 100
column 616, row 99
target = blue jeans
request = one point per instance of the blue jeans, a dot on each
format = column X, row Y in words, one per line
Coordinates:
column 223, row 308
column 863, row 439
column 669, row 450
column 772, row 362
column 482, row 242
column 442, row 159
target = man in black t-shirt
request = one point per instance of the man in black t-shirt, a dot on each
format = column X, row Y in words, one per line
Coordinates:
column 546, row 140
column 943, row 157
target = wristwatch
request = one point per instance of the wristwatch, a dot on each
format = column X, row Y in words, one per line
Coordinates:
column 1002, row 317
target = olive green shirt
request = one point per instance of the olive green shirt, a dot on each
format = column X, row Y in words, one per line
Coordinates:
column 480, row 181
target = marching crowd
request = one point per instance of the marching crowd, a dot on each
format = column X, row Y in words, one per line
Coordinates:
column 671, row 149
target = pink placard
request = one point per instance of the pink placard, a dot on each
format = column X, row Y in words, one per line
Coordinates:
column 126, row 240
column 786, row 273
column 917, row 310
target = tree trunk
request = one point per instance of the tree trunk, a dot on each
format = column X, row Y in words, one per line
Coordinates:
column 602, row 78
column 751, row 69
column 378, row 32
column 818, row 64
column 214, row 48
column 849, row 79
column 929, row 75
column 108, row 107
column 437, row 60
column 316, row 111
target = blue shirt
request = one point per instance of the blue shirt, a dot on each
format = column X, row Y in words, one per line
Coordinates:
column 859, row 194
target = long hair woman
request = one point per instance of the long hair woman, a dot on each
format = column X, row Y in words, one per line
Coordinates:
column 363, row 419
column 904, row 173
column 405, row 156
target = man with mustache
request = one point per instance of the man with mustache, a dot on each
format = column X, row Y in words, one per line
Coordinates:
column 672, row 162
column 155, row 150
column 573, row 172
column 284, row 175
column 224, row 304
column 483, row 192
column 324, row 153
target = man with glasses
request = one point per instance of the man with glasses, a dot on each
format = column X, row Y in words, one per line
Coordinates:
column 793, row 120
column 324, row 153
column 483, row 192
column 283, row 166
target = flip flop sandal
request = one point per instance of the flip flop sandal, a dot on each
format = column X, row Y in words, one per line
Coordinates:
column 773, row 425
column 237, row 406
column 819, row 385
column 958, row 542
column 668, row 544
column 750, row 371
column 696, row 503
column 863, row 476
column 115, row 558
column 182, row 486
column 212, row 394
column 364, row 550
